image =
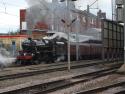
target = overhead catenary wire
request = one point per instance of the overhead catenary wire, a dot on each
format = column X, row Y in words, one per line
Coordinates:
column 7, row 13
column 5, row 4
column 93, row 3
column 10, row 4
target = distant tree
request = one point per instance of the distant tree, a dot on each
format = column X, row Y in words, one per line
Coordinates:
column 13, row 32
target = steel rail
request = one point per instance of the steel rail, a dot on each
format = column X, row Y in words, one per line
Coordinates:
column 52, row 86
column 95, row 90
column 121, row 92
column 48, row 70
column 93, row 75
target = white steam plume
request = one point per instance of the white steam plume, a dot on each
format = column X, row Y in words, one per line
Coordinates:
column 42, row 10
column 5, row 58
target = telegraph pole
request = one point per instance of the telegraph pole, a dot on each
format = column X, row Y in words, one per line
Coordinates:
column 87, row 19
column 124, row 29
column 68, row 31
column 77, row 37
column 122, row 68
column 112, row 4
column 69, row 63
column 53, row 18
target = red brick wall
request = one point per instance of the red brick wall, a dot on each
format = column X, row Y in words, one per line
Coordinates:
column 40, row 25
column 22, row 16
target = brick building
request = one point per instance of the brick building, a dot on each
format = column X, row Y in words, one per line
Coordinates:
column 87, row 20
column 7, row 40
column 39, row 29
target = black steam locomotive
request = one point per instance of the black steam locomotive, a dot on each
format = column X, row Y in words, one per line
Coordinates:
column 49, row 51
column 36, row 51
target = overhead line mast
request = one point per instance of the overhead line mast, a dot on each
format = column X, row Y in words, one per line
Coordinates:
column 124, row 29
column 68, row 47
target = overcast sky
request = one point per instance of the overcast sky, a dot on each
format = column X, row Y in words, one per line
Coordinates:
column 9, row 14
column 9, row 11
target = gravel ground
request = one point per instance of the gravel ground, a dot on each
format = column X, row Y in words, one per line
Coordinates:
column 12, row 82
column 107, row 80
column 122, row 69
column 112, row 90
column 23, row 69
column 30, row 68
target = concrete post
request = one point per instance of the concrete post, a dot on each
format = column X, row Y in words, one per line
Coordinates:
column 77, row 37
column 68, row 31
column 122, row 68
column 87, row 17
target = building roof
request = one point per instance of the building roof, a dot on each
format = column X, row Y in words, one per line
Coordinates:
column 85, row 13
column 13, row 36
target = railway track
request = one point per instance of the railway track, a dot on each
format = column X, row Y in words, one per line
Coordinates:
column 61, row 64
column 118, row 89
column 48, row 70
column 103, row 90
column 122, row 91
column 51, row 86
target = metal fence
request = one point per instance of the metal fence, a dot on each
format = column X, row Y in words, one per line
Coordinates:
column 113, row 40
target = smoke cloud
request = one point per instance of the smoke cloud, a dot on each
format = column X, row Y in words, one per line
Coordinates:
column 47, row 12
column 5, row 58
